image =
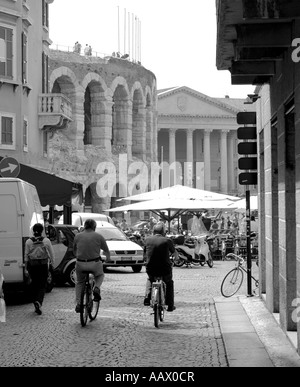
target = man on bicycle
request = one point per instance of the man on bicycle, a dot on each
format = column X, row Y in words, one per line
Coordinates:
column 87, row 245
column 158, row 263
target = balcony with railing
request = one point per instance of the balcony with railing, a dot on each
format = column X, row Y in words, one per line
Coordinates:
column 55, row 112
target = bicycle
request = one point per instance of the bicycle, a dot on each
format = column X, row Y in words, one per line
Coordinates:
column 89, row 307
column 234, row 279
column 158, row 300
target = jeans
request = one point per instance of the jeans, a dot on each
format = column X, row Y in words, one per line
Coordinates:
column 168, row 279
column 82, row 268
column 39, row 275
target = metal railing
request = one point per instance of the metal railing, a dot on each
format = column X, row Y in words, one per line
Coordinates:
column 94, row 54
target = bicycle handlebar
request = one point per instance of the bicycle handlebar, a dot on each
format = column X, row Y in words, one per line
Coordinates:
column 236, row 257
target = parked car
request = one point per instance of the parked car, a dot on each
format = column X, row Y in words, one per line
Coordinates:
column 123, row 251
column 78, row 218
column 61, row 237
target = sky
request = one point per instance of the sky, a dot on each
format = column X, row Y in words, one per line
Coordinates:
column 176, row 40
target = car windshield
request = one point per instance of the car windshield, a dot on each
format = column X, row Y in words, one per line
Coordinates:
column 112, row 234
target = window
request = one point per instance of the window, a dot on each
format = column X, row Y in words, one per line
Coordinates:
column 6, row 52
column 7, row 131
column 25, row 135
column 45, row 143
column 24, row 58
column 45, row 74
column 45, row 15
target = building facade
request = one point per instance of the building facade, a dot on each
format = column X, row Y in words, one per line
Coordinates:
column 199, row 133
column 111, row 139
column 85, row 119
column 24, row 50
column 258, row 41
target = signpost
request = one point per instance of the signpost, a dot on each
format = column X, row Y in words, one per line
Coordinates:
column 249, row 175
column 9, row 167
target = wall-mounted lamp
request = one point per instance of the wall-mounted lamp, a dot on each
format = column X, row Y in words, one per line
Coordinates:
column 252, row 98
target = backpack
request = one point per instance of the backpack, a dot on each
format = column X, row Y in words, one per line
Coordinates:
column 38, row 254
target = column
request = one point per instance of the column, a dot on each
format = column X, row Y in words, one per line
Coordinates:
column 224, row 162
column 139, row 131
column 188, row 170
column 172, row 157
column 172, row 146
column 207, row 160
column 231, row 170
column 101, row 121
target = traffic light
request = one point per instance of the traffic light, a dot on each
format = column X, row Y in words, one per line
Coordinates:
column 247, row 148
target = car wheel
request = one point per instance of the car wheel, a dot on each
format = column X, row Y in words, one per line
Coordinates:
column 71, row 275
column 137, row 269
column 50, row 281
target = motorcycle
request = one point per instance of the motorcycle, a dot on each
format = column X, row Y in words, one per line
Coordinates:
column 192, row 251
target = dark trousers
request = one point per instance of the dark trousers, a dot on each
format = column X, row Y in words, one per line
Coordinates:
column 168, row 279
column 39, row 275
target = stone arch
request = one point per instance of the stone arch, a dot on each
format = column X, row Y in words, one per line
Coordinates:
column 93, row 201
column 63, row 81
column 150, row 139
column 121, row 132
column 97, row 111
column 63, row 72
column 138, row 122
column 120, row 81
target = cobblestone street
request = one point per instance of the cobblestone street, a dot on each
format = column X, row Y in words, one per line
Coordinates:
column 123, row 335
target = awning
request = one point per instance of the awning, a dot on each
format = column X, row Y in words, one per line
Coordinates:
column 52, row 190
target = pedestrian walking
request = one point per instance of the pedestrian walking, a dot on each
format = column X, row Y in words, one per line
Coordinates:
column 77, row 48
column 87, row 50
column 39, row 256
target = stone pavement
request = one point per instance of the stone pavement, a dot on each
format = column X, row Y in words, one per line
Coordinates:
column 206, row 330
column 252, row 336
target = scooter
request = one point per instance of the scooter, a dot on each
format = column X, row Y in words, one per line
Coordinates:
column 193, row 251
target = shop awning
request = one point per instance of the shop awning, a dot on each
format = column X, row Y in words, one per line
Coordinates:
column 52, row 190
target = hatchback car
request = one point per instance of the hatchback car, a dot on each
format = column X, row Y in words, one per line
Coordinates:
column 123, row 252
column 78, row 218
column 62, row 237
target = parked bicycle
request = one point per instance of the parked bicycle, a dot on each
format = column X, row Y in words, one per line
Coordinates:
column 89, row 307
column 233, row 280
column 158, row 300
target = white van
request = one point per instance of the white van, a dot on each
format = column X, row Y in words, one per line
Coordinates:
column 20, row 209
column 78, row 218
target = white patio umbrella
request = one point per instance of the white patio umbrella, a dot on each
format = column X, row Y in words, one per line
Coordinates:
column 180, row 192
column 240, row 205
column 169, row 209
column 175, row 205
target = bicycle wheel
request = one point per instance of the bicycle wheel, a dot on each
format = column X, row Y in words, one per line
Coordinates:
column 232, row 282
column 156, row 315
column 93, row 307
column 210, row 260
column 154, row 302
column 84, row 301
column 162, row 302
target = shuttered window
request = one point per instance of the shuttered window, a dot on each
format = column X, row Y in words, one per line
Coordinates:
column 45, row 73
column 7, row 131
column 24, row 58
column 6, row 52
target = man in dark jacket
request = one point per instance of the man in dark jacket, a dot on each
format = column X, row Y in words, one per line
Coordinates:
column 158, row 263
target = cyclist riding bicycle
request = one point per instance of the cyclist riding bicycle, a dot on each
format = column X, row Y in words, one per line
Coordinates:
column 86, row 247
column 158, row 263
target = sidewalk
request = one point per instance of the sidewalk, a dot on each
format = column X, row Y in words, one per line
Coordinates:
column 251, row 335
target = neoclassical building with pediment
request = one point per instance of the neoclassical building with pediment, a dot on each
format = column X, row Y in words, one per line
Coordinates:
column 199, row 134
